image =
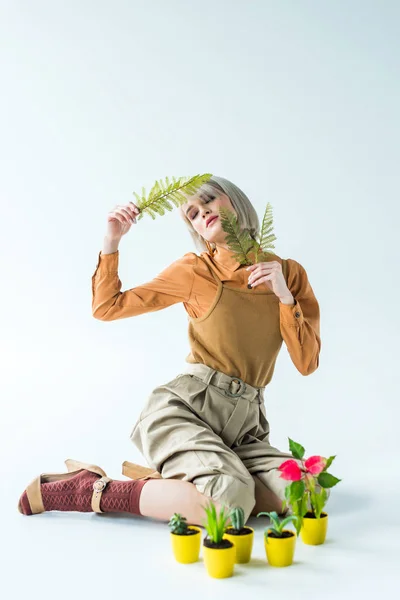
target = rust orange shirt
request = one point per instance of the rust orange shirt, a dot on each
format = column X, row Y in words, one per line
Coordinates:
column 189, row 281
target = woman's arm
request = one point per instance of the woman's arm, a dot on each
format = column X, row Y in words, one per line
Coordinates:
column 300, row 322
column 172, row 285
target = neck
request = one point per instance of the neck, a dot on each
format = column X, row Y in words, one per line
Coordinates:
column 222, row 246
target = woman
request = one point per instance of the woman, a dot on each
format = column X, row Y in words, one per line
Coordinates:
column 205, row 433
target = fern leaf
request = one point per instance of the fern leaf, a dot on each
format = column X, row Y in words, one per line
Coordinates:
column 157, row 201
column 247, row 250
column 265, row 238
column 239, row 241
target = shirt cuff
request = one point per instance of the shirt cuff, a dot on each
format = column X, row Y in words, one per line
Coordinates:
column 291, row 314
column 108, row 262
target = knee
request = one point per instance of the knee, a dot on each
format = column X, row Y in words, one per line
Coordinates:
column 230, row 491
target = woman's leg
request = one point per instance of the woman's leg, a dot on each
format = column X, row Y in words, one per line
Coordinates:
column 266, row 499
column 262, row 461
column 161, row 498
column 83, row 491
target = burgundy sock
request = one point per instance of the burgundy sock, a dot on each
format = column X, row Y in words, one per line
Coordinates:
column 75, row 494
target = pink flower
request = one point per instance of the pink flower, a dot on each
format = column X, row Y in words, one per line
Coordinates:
column 315, row 464
column 290, row 470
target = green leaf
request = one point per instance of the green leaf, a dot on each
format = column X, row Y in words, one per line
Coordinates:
column 297, row 489
column 239, row 241
column 329, row 462
column 157, row 201
column 318, row 502
column 287, row 520
column 296, row 449
column 277, row 532
column 177, row 524
column 237, row 518
column 216, row 522
column 326, row 480
column 287, row 491
column 264, row 238
column 303, row 506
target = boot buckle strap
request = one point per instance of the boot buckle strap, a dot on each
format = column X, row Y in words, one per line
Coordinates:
column 98, row 487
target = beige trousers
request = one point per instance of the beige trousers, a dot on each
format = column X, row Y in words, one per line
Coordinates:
column 210, row 429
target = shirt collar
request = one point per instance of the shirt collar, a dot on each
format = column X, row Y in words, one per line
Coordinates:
column 225, row 258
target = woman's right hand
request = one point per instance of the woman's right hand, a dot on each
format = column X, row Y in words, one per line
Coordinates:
column 120, row 219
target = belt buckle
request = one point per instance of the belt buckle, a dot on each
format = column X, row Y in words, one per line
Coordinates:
column 241, row 389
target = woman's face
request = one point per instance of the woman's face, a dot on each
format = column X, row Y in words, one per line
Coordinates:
column 202, row 207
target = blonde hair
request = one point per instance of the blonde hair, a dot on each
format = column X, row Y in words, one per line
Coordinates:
column 246, row 213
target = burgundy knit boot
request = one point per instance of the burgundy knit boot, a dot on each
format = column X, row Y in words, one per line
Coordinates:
column 84, row 489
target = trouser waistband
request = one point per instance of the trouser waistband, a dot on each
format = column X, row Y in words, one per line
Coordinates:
column 234, row 387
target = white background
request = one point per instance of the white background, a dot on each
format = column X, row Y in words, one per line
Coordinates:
column 298, row 104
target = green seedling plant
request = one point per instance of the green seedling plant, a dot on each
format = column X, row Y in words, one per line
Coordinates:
column 237, row 518
column 178, row 524
column 215, row 523
column 278, row 524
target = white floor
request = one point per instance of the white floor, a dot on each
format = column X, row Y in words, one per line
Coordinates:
column 67, row 555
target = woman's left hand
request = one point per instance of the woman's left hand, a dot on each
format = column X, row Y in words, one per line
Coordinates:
column 271, row 273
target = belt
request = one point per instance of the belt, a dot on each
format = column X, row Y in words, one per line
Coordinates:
column 234, row 387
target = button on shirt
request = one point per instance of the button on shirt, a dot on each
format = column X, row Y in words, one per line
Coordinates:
column 188, row 280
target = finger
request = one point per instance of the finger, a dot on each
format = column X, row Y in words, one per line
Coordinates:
column 118, row 217
column 263, row 268
column 133, row 211
column 258, row 272
column 253, row 276
column 128, row 218
column 130, row 212
column 135, row 208
column 252, row 267
column 125, row 215
column 265, row 278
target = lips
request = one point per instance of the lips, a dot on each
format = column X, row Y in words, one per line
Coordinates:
column 211, row 221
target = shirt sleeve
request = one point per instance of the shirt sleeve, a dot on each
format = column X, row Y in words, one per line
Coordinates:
column 172, row 285
column 300, row 323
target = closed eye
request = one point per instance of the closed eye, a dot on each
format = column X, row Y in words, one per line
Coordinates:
column 193, row 216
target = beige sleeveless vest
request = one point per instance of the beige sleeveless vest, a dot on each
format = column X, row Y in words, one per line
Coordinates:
column 239, row 334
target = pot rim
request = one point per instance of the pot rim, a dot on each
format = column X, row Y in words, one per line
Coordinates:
column 240, row 534
column 219, row 549
column 282, row 538
column 324, row 515
column 197, row 529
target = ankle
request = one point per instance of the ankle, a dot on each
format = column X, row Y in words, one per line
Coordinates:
column 122, row 496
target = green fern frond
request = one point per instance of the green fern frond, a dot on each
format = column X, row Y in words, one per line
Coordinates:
column 160, row 195
column 247, row 250
column 264, row 238
column 239, row 241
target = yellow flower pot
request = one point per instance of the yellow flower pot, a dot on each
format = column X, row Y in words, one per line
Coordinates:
column 243, row 545
column 280, row 551
column 219, row 562
column 313, row 531
column 186, row 548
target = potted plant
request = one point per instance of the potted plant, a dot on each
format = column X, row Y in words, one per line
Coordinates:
column 219, row 553
column 308, row 492
column 279, row 543
column 242, row 537
column 185, row 539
